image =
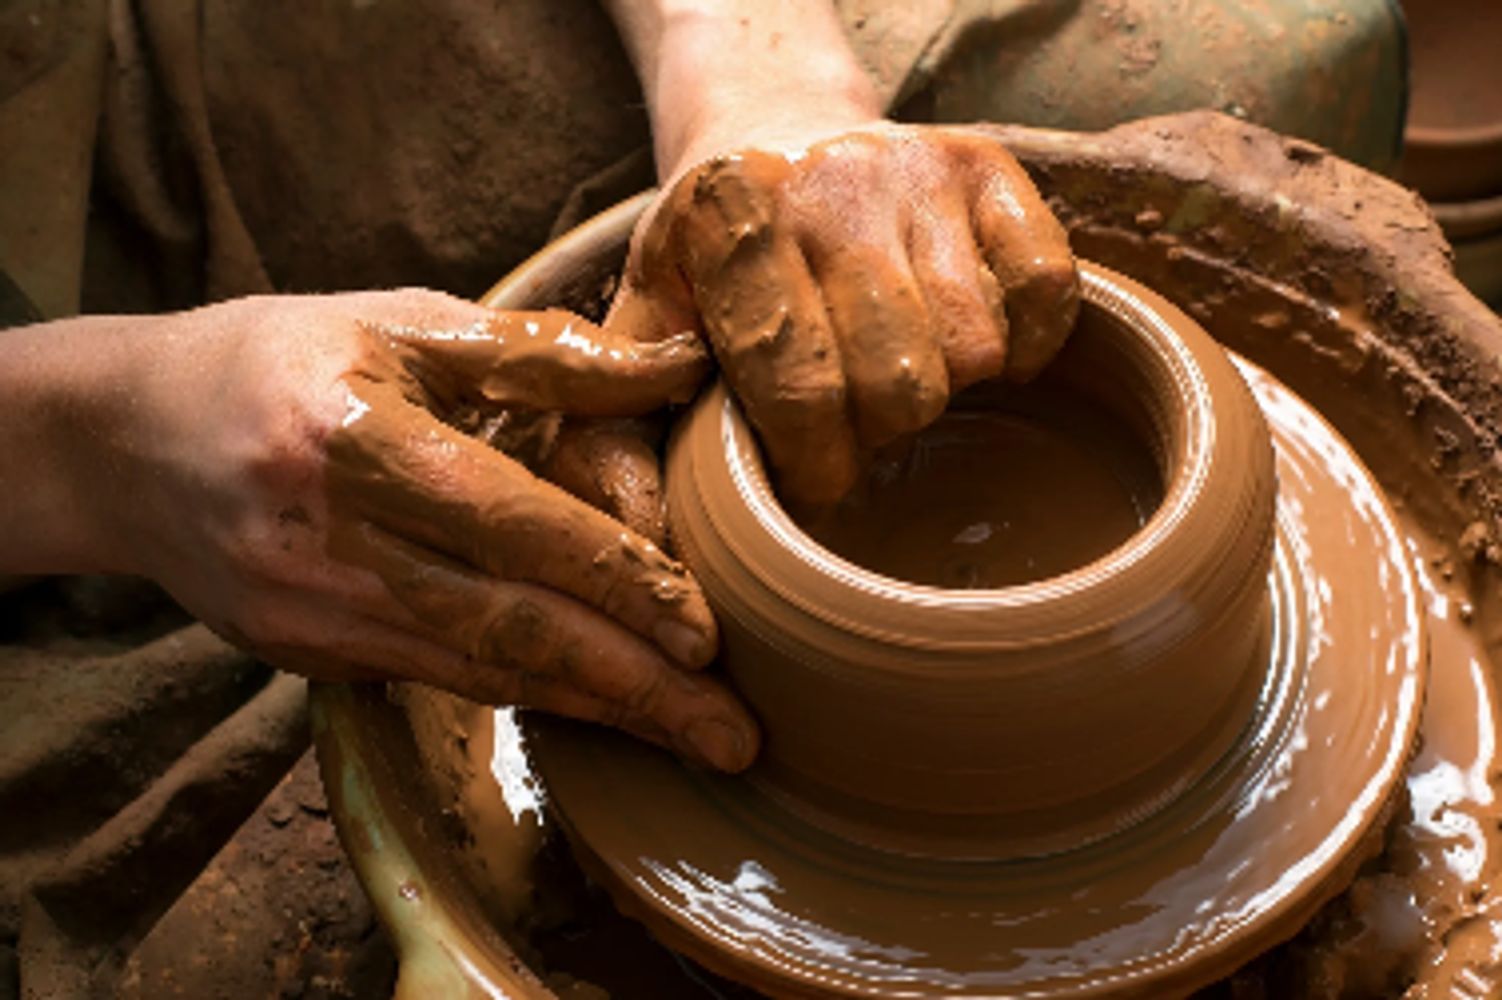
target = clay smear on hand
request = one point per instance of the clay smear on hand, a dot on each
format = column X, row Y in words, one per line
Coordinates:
column 850, row 289
column 548, row 601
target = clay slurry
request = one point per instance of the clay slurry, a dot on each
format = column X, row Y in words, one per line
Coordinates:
column 995, row 498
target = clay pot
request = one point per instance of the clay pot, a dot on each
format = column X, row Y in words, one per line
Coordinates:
column 1452, row 146
column 1478, row 264
column 1474, row 229
column 1021, row 720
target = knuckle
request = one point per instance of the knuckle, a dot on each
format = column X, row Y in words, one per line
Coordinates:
column 249, row 554
column 1049, row 268
column 532, row 687
column 799, row 403
column 517, row 633
column 643, row 694
column 974, row 360
column 285, row 455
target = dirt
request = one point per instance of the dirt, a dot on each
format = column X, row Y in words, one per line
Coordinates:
column 277, row 913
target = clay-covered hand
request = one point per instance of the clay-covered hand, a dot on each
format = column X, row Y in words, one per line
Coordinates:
column 300, row 487
column 850, row 286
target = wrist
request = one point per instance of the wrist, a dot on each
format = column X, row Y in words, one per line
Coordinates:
column 60, row 488
column 722, row 83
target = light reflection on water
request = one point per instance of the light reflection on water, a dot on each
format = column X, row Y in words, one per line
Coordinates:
column 1449, row 782
column 520, row 787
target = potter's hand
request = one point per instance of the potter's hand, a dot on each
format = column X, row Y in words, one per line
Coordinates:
column 286, row 472
column 850, row 273
column 850, row 287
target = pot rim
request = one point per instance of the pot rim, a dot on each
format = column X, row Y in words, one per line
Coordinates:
column 1187, row 463
column 1211, row 439
column 1475, row 219
column 1463, row 138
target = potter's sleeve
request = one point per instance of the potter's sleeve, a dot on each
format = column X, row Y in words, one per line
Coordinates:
column 112, row 198
column 899, row 44
column 51, row 76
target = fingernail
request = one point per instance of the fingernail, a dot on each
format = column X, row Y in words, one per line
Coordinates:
column 688, row 646
column 719, row 743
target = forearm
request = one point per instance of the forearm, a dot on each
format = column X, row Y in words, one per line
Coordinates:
column 55, row 480
column 706, row 65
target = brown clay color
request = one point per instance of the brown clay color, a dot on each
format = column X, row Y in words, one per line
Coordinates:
column 1019, row 720
column 1453, row 140
column 1248, row 231
column 736, row 878
column 796, row 283
column 945, row 512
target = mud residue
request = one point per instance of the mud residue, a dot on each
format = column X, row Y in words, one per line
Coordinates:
column 842, row 326
column 1339, row 282
column 1343, row 291
column 945, row 511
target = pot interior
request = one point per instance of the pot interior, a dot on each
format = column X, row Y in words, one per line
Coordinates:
column 1013, row 484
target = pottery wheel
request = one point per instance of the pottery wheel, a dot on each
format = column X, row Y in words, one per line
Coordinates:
column 722, row 872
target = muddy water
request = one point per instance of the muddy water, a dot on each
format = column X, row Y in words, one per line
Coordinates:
column 1067, row 493
column 1421, row 921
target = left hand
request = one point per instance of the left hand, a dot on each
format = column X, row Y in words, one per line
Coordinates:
column 850, row 278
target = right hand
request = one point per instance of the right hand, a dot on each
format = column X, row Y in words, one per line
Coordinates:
column 285, row 471
column 849, row 279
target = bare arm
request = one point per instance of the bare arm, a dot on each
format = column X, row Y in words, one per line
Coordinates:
column 851, row 274
column 55, row 473
column 713, row 68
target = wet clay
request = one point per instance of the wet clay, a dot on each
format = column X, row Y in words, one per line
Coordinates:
column 959, row 729
column 1419, row 915
column 526, row 594
column 1457, row 77
column 984, row 499
column 1236, row 862
column 1417, row 918
column 844, row 321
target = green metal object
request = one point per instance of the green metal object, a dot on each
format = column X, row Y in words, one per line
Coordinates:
column 367, row 757
column 1330, row 71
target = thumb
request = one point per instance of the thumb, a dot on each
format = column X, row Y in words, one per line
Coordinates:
column 555, row 360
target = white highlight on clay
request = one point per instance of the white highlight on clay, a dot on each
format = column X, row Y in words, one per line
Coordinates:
column 520, row 787
column 354, row 407
column 568, row 338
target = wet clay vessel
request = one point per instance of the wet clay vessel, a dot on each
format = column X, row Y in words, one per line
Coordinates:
column 1000, row 723
column 1173, row 752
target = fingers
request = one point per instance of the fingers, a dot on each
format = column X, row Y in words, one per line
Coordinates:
column 1028, row 251
column 766, row 319
column 518, row 643
column 612, row 465
column 655, row 300
column 549, row 360
column 962, row 296
column 894, row 368
column 396, row 466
